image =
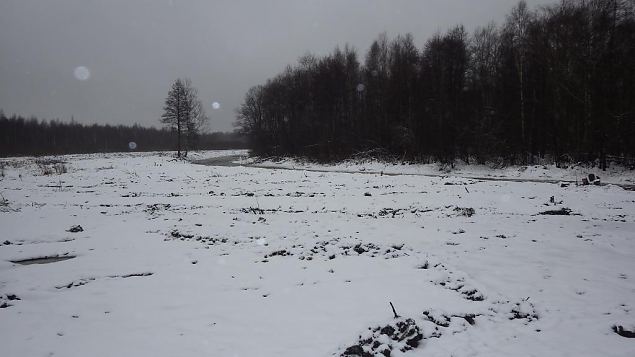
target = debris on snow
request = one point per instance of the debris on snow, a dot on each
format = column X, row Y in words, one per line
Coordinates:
column 403, row 335
column 75, row 229
column 467, row 211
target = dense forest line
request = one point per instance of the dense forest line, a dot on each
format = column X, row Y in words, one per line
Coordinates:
column 21, row 136
column 553, row 82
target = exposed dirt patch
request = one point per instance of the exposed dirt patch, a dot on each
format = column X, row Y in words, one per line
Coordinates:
column 624, row 332
column 464, row 211
column 75, row 229
column 459, row 285
column 402, row 335
column 557, row 212
column 6, row 299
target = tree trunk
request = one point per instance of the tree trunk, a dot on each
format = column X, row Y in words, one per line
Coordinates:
column 522, row 107
column 178, row 138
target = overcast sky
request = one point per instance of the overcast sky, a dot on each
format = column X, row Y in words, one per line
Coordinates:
column 112, row 61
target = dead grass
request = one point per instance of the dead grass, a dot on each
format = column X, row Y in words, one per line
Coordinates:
column 50, row 167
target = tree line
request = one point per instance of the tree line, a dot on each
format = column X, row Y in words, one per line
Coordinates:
column 553, row 82
column 30, row 136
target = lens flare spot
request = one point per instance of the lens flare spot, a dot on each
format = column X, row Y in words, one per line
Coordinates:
column 81, row 73
column 216, row 105
column 132, row 145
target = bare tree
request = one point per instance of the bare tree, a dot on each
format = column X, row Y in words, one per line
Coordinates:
column 183, row 112
column 174, row 111
column 557, row 82
column 195, row 119
column 517, row 26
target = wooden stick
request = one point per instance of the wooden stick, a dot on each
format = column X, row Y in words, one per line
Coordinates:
column 393, row 310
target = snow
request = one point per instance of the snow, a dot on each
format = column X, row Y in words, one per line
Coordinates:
column 615, row 174
column 179, row 259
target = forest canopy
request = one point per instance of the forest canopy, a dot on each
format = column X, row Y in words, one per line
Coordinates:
column 556, row 82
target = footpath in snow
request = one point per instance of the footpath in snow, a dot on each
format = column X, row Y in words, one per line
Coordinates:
column 537, row 173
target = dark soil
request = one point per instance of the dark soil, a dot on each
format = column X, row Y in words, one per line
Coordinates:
column 404, row 334
column 75, row 229
column 557, row 212
column 620, row 330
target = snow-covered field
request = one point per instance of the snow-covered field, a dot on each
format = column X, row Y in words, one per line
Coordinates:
column 178, row 259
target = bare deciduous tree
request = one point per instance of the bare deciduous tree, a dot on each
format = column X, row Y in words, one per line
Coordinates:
column 183, row 112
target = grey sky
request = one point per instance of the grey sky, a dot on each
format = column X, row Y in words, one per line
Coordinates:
column 134, row 49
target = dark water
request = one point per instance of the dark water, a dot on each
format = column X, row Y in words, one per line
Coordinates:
column 43, row 260
column 221, row 161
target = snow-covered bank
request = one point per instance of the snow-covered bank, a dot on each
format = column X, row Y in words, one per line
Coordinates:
column 615, row 174
column 177, row 259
